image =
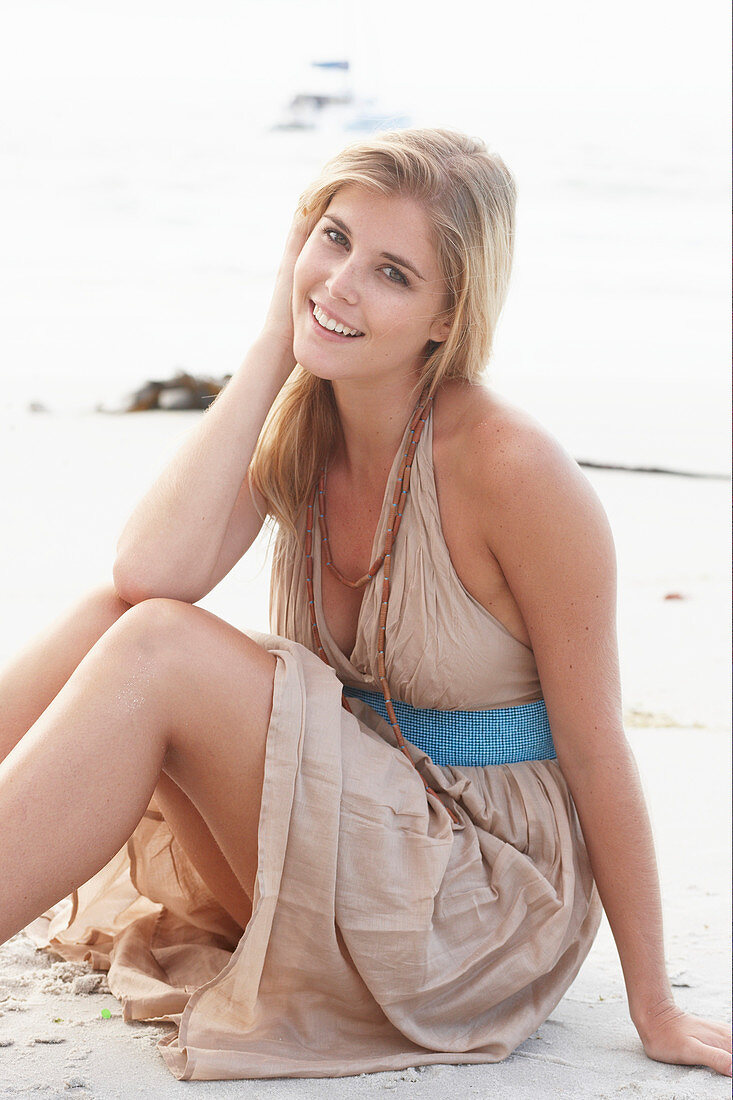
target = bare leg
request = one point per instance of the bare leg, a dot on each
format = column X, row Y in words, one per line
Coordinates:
column 32, row 680
column 169, row 686
column 38, row 672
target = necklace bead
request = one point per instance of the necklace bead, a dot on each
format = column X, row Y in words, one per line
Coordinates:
column 402, row 486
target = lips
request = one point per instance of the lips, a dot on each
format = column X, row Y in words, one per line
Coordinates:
column 332, row 316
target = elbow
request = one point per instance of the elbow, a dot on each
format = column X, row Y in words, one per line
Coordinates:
column 132, row 586
column 127, row 585
column 595, row 758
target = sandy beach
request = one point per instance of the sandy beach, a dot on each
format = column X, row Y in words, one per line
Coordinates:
column 145, row 203
column 70, row 482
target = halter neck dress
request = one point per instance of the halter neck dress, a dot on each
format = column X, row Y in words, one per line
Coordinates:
column 383, row 934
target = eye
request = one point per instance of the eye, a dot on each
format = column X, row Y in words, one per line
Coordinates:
column 330, row 234
column 327, row 233
column 400, row 279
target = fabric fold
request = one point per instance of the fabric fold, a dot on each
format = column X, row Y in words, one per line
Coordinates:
column 383, row 934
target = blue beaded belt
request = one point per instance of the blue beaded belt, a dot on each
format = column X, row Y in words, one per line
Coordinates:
column 470, row 738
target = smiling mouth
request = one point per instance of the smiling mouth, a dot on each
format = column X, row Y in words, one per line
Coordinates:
column 351, row 334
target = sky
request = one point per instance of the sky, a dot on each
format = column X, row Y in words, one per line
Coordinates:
column 531, row 50
column 134, row 144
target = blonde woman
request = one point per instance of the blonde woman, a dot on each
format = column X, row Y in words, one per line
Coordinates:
column 380, row 836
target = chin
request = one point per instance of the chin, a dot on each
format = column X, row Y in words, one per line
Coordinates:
column 322, row 365
column 328, row 371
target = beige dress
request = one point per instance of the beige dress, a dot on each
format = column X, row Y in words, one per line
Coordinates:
column 383, row 934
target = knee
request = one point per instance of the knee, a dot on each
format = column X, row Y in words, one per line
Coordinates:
column 156, row 626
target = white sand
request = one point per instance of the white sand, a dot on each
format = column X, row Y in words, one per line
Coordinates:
column 70, row 482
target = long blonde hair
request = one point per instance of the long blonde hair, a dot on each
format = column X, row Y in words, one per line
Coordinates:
column 469, row 195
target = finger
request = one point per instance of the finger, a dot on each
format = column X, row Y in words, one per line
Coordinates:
column 710, row 1031
column 712, row 1056
column 720, row 1036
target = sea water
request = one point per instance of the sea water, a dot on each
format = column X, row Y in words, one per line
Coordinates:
column 146, row 199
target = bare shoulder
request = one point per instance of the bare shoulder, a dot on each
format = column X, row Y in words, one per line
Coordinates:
column 513, row 473
column 496, row 440
column 540, row 532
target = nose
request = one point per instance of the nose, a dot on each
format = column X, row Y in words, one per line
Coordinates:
column 341, row 282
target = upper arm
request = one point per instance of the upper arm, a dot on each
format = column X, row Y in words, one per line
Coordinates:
column 548, row 529
column 245, row 522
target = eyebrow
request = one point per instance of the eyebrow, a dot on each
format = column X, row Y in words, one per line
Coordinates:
column 387, row 255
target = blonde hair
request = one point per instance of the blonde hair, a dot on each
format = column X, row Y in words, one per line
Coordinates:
column 469, row 195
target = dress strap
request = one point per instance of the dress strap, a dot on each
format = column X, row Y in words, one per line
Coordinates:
column 402, row 486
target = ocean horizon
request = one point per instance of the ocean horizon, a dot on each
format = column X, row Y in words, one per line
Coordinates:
column 143, row 221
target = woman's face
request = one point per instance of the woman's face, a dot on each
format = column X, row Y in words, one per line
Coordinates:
column 369, row 264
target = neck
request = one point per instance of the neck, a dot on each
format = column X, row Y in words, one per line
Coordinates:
column 373, row 422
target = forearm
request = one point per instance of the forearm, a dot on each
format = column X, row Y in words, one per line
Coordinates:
column 171, row 541
column 617, row 831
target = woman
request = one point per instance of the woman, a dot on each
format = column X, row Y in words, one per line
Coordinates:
column 312, row 884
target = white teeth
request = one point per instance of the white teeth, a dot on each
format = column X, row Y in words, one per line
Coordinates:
column 333, row 326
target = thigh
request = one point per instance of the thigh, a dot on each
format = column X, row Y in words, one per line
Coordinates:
column 37, row 672
column 213, row 697
column 196, row 840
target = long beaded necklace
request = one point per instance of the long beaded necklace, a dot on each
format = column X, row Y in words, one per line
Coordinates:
column 402, row 487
